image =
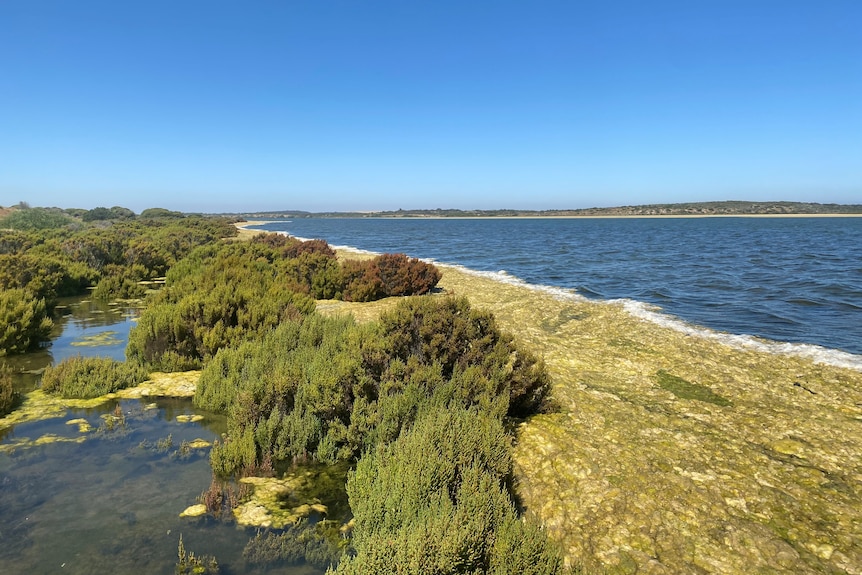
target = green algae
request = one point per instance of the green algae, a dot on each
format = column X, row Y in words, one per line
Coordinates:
column 105, row 338
column 187, row 418
column 83, row 425
column 687, row 390
column 37, row 405
column 282, row 502
column 674, row 453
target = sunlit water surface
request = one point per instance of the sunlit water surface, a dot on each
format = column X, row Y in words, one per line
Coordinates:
column 110, row 504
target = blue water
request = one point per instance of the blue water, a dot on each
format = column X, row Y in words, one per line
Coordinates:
column 793, row 280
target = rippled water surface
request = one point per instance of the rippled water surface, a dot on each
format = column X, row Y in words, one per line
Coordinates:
column 785, row 279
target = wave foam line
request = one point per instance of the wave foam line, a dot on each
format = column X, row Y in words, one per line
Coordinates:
column 645, row 311
column 648, row 312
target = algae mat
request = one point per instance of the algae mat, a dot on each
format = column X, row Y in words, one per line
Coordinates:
column 672, row 453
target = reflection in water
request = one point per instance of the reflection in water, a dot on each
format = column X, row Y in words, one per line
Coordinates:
column 81, row 327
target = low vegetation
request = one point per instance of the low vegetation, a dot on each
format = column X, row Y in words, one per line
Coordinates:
column 329, row 389
column 7, row 392
column 222, row 295
column 88, row 377
column 47, row 253
column 435, row 501
column 420, row 401
column 24, row 321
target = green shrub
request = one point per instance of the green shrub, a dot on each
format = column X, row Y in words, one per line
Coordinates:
column 121, row 282
column 87, row 377
column 329, row 389
column 287, row 396
column 35, row 219
column 46, row 276
column 7, row 392
column 206, row 320
column 449, row 332
column 435, row 501
column 24, row 321
column 314, row 273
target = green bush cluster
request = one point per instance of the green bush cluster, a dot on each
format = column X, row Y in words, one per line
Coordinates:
column 219, row 296
column 7, row 392
column 311, row 267
column 59, row 262
column 435, row 501
column 28, row 218
column 24, row 321
column 330, row 389
column 419, row 398
column 223, row 294
column 87, row 377
column 40, row 264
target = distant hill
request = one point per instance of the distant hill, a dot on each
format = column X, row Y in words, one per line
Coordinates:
column 724, row 208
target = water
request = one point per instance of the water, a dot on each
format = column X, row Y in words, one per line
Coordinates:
column 111, row 503
column 796, row 280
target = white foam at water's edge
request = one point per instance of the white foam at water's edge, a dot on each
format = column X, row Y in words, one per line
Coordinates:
column 648, row 312
column 652, row 313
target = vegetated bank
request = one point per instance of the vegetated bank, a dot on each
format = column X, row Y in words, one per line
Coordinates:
column 432, row 376
column 671, row 453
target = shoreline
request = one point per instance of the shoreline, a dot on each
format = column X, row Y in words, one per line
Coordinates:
column 666, row 447
column 550, row 217
column 664, row 439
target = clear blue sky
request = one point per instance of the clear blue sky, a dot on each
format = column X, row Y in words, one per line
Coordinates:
column 367, row 105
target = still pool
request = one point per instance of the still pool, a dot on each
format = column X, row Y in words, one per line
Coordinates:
column 100, row 490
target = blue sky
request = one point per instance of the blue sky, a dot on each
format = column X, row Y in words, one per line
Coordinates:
column 370, row 105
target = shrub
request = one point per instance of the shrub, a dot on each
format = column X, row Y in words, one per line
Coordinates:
column 449, row 332
column 87, row 377
column 35, row 219
column 286, row 394
column 121, row 283
column 361, row 281
column 401, row 275
column 197, row 325
column 7, row 392
column 314, row 273
column 24, row 321
column 330, row 389
column 44, row 275
column 435, row 501
column 387, row 275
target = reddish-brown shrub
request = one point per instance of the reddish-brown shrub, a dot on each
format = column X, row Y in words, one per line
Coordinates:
column 387, row 275
column 297, row 248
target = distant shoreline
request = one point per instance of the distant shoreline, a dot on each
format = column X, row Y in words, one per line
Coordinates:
column 251, row 221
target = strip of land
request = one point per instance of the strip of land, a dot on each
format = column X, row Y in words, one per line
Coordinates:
column 687, row 210
column 671, row 453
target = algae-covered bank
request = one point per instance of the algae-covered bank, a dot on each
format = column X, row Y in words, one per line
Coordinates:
column 672, row 453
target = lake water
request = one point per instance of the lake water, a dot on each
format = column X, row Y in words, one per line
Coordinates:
column 111, row 503
column 794, row 280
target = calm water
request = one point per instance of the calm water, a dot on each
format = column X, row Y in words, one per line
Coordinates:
column 785, row 279
column 110, row 504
